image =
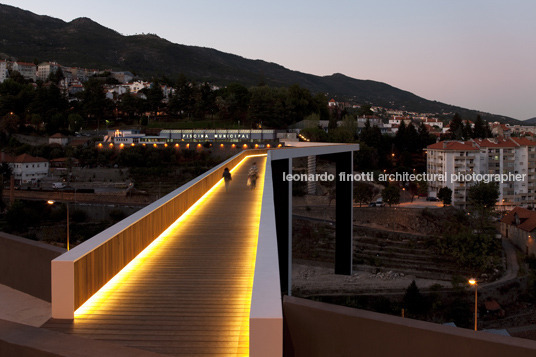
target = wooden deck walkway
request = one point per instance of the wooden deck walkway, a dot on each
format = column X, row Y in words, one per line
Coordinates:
column 191, row 295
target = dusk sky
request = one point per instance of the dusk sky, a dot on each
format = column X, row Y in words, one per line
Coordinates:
column 478, row 54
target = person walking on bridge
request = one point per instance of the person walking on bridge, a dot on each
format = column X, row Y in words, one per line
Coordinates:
column 253, row 175
column 226, row 178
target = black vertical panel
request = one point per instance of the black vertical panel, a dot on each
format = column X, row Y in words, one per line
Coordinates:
column 281, row 197
column 344, row 214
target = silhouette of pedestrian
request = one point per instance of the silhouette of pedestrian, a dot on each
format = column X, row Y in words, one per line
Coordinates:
column 252, row 176
column 226, row 178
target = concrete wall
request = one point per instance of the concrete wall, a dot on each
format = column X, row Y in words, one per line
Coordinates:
column 25, row 265
column 318, row 329
column 27, row 341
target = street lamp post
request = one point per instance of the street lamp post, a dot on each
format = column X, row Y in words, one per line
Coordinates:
column 51, row 202
column 474, row 283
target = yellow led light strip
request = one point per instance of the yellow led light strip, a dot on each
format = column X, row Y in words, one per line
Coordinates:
column 113, row 284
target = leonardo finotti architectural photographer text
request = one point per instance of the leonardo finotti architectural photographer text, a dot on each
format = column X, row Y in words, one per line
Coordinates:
column 407, row 177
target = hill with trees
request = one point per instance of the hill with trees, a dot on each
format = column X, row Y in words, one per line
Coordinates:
column 84, row 43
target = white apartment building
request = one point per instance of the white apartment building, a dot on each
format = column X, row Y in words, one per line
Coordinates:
column 3, row 71
column 485, row 156
column 29, row 169
column 27, row 70
column 446, row 158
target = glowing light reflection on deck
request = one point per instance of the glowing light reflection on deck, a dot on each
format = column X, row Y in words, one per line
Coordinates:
column 97, row 300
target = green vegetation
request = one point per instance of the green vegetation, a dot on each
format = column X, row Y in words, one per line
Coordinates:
column 445, row 195
column 391, row 195
column 364, row 192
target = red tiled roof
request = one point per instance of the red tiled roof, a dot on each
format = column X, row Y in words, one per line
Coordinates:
column 26, row 158
column 527, row 218
column 26, row 64
column 58, row 135
column 499, row 143
column 452, row 145
column 524, row 141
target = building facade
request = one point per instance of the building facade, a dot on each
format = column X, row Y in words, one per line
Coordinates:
column 27, row 70
column 490, row 158
column 3, row 71
column 29, row 169
column 519, row 226
column 45, row 69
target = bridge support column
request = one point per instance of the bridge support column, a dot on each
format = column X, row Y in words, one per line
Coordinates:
column 283, row 220
column 344, row 211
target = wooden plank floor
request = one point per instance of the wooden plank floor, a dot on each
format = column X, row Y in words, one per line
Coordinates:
column 191, row 295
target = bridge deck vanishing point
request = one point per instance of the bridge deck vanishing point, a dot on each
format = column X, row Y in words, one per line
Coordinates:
column 189, row 293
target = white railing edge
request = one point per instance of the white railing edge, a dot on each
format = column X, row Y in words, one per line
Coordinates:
column 266, row 312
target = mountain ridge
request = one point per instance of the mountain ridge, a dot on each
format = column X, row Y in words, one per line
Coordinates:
column 83, row 42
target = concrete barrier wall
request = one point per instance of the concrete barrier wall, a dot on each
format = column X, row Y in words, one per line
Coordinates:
column 319, row 329
column 82, row 271
column 266, row 314
column 25, row 265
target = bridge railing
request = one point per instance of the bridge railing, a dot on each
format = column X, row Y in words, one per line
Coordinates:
column 266, row 314
column 82, row 271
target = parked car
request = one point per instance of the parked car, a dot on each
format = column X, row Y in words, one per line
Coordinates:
column 376, row 204
column 433, row 199
column 58, row 185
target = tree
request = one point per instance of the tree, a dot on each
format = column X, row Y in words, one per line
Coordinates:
column 75, row 121
column 363, row 192
column 94, row 100
column 391, row 195
column 482, row 198
column 154, row 97
column 445, row 195
column 413, row 301
column 364, row 110
column 314, row 134
column 467, row 131
column 456, row 127
column 484, row 195
column 479, row 130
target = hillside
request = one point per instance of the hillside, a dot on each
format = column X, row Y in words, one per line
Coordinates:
column 84, row 43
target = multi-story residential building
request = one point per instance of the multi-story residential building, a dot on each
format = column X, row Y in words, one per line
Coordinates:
column 28, row 169
column 448, row 157
column 3, row 71
column 482, row 158
column 44, row 69
column 27, row 70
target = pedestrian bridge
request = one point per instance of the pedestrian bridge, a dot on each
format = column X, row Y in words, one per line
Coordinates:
column 202, row 272
column 195, row 273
